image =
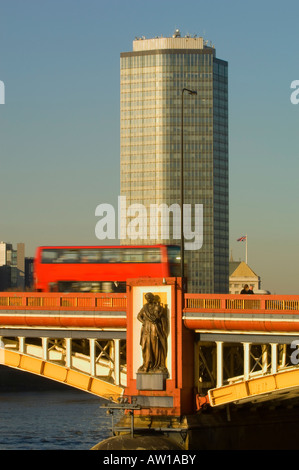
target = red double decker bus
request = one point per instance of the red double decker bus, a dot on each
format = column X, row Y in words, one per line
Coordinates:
column 101, row 268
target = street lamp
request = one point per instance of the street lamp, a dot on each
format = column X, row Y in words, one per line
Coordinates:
column 190, row 92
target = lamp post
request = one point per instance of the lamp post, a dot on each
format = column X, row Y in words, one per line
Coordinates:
column 190, row 92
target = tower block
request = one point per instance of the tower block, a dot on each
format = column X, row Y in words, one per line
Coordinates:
column 160, row 350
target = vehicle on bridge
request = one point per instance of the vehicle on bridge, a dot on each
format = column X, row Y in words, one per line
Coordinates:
column 101, row 268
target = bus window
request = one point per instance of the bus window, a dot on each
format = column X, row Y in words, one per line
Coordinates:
column 115, row 256
column 69, row 256
column 174, row 254
column 152, row 256
column 133, row 256
column 89, row 256
column 49, row 256
column 106, row 256
column 174, row 259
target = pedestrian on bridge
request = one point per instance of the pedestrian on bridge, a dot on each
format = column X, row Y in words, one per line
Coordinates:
column 245, row 289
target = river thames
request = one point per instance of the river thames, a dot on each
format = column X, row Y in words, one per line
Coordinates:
column 37, row 414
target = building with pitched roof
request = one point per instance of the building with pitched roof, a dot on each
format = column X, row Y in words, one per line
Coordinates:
column 239, row 274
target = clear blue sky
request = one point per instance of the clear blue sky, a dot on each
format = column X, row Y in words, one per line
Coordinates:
column 59, row 127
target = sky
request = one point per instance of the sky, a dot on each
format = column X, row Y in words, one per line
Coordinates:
column 60, row 124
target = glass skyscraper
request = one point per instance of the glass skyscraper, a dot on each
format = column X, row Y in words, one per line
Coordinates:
column 153, row 76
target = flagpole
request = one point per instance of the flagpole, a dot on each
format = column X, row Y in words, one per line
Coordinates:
column 242, row 239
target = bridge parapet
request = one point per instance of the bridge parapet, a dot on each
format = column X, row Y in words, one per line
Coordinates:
column 258, row 313
column 63, row 310
column 24, row 300
column 231, row 302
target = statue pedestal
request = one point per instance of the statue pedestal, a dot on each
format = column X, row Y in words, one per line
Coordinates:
column 151, row 380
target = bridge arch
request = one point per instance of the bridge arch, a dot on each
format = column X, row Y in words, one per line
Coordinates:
column 60, row 373
column 282, row 385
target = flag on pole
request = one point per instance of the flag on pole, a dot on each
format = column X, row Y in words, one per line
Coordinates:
column 244, row 239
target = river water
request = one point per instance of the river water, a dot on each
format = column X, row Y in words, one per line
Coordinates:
column 35, row 415
column 39, row 414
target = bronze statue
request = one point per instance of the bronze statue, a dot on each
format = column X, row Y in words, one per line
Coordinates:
column 153, row 337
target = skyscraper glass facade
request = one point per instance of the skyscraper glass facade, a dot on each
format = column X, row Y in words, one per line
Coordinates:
column 152, row 79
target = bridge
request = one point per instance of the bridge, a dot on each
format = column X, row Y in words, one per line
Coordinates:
column 223, row 349
column 76, row 339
